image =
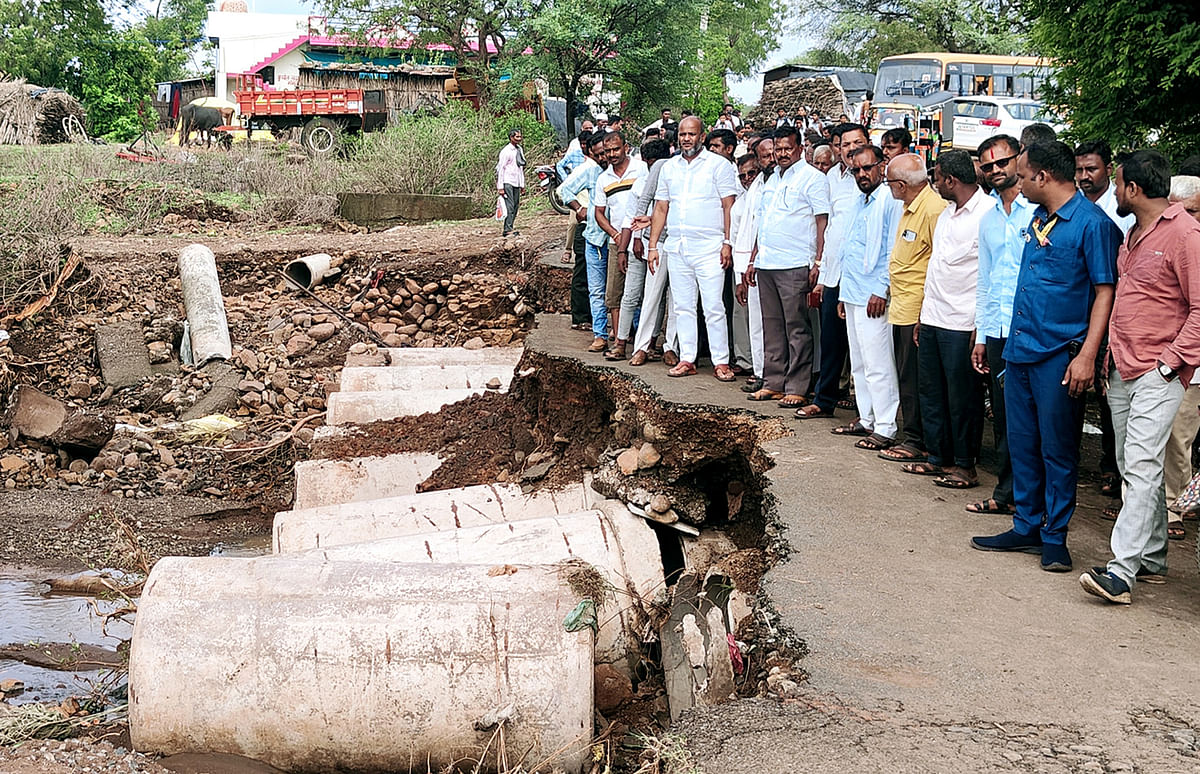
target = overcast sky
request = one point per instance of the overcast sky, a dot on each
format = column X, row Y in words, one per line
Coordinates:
column 745, row 89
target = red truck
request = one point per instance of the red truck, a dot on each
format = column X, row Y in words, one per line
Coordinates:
column 319, row 113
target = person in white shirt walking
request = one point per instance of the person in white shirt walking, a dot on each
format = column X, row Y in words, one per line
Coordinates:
column 510, row 177
column 786, row 260
column 951, row 400
column 696, row 191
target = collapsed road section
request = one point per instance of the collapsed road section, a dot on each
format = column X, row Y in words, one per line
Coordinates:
column 552, row 557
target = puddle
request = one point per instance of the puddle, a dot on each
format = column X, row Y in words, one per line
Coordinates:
column 257, row 545
column 28, row 614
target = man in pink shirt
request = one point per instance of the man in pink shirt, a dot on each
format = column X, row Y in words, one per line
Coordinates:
column 1154, row 346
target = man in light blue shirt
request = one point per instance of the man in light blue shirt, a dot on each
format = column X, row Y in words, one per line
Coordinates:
column 596, row 250
column 786, row 257
column 1001, row 243
column 863, row 303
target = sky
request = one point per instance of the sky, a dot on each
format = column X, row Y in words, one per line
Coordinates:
column 746, row 90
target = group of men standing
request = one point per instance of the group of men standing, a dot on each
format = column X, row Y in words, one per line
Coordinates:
column 1028, row 273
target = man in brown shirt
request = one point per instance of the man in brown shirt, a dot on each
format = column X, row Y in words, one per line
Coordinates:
column 1154, row 346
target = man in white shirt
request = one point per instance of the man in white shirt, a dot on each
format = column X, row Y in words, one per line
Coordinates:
column 1093, row 177
column 586, row 126
column 747, row 313
column 951, row 401
column 656, row 296
column 613, row 191
column 786, row 259
column 696, row 191
column 510, row 177
column 843, row 197
column 664, row 119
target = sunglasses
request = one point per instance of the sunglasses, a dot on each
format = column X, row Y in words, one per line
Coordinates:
column 997, row 164
column 865, row 168
column 744, row 175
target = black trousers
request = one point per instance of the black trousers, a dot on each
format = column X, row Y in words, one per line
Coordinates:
column 1003, row 493
column 912, row 433
column 512, row 200
column 581, row 311
column 951, row 401
column 835, row 349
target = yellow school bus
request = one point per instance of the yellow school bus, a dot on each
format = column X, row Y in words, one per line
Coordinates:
column 902, row 78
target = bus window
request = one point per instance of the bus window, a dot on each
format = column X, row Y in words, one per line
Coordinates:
column 906, row 74
column 982, row 84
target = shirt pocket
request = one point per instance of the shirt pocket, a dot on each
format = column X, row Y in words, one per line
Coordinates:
column 1059, row 265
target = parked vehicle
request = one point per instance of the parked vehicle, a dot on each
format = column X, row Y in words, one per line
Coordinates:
column 978, row 118
column 549, row 181
column 321, row 114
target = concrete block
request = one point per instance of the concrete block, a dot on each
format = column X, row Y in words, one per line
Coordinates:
column 411, row 356
column 447, row 509
column 425, row 377
column 34, row 414
column 121, row 349
column 310, row 665
column 343, row 408
column 390, row 208
column 621, row 546
column 329, row 482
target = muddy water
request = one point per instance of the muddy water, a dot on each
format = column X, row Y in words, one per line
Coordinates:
column 29, row 615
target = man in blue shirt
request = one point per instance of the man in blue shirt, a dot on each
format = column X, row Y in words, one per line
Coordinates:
column 596, row 249
column 865, row 285
column 1060, row 315
column 1001, row 242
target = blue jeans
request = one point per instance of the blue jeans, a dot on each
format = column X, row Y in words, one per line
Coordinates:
column 597, row 279
column 1044, row 425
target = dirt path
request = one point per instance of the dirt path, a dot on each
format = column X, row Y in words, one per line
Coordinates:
column 925, row 655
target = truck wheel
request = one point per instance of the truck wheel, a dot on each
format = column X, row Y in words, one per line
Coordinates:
column 320, row 137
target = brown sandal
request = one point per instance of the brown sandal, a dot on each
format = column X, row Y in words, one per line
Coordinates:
column 617, row 352
column 724, row 373
column 764, row 395
column 639, row 358
column 669, row 358
column 682, row 368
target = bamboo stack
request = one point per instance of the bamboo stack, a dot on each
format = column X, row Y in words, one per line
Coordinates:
column 32, row 115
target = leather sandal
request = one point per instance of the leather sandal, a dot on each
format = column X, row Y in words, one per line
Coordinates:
column 682, row 368
column 724, row 373
column 669, row 358
column 639, row 358
column 617, row 352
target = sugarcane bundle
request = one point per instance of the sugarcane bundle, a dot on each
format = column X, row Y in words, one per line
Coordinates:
column 821, row 93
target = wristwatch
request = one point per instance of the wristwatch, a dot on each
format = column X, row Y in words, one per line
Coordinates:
column 1166, row 372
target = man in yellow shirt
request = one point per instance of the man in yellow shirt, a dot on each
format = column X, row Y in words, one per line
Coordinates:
column 909, row 182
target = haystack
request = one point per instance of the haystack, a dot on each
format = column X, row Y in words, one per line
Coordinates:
column 822, row 92
column 33, row 115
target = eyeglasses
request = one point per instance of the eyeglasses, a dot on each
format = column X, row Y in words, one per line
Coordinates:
column 866, row 168
column 744, row 175
column 998, row 163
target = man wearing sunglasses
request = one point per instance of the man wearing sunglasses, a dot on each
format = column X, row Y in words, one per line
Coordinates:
column 1063, row 300
column 863, row 303
column 1001, row 242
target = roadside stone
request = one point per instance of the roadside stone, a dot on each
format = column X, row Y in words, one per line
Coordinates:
column 494, row 384
column 537, row 472
column 131, row 460
column 648, row 456
column 358, row 348
column 160, row 352
column 322, row 331
column 669, row 516
column 299, row 345
column 12, row 463
column 474, row 343
column 166, row 456
column 121, row 350
column 612, row 688
column 81, row 390
column 106, row 462
column 34, row 414
column 660, row 503
column 84, row 433
column 627, row 462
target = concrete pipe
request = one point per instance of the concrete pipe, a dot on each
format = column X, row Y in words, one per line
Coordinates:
column 621, row 546
column 204, row 305
column 311, row 270
column 315, row 666
column 445, row 509
column 329, row 482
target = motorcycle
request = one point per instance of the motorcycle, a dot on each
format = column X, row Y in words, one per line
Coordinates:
column 549, row 180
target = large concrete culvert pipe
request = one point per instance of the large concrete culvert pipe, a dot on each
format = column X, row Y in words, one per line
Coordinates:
column 315, row 666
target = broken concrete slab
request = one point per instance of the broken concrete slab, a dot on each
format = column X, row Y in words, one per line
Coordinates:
column 222, row 395
column 121, row 350
column 34, row 414
column 391, row 208
column 84, row 434
column 411, row 356
column 427, row 377
column 697, row 667
column 294, row 661
column 447, row 509
column 330, row 482
column 344, row 408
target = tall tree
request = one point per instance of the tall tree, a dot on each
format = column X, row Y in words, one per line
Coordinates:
column 1129, row 69
column 175, row 31
column 41, row 40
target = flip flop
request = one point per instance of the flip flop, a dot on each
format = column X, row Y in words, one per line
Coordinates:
column 682, row 368
column 764, row 395
column 1110, row 514
column 793, row 401
column 724, row 373
column 854, row 428
column 754, row 385
column 849, row 404
column 922, row 469
column 955, row 481
column 816, row 413
column 875, row 442
column 902, row 453
column 990, row 505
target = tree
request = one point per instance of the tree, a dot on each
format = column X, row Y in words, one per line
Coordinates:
column 40, row 40
column 1129, row 70
column 175, row 31
column 116, row 78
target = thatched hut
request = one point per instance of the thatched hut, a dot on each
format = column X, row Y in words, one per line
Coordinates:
column 406, row 88
column 35, row 115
